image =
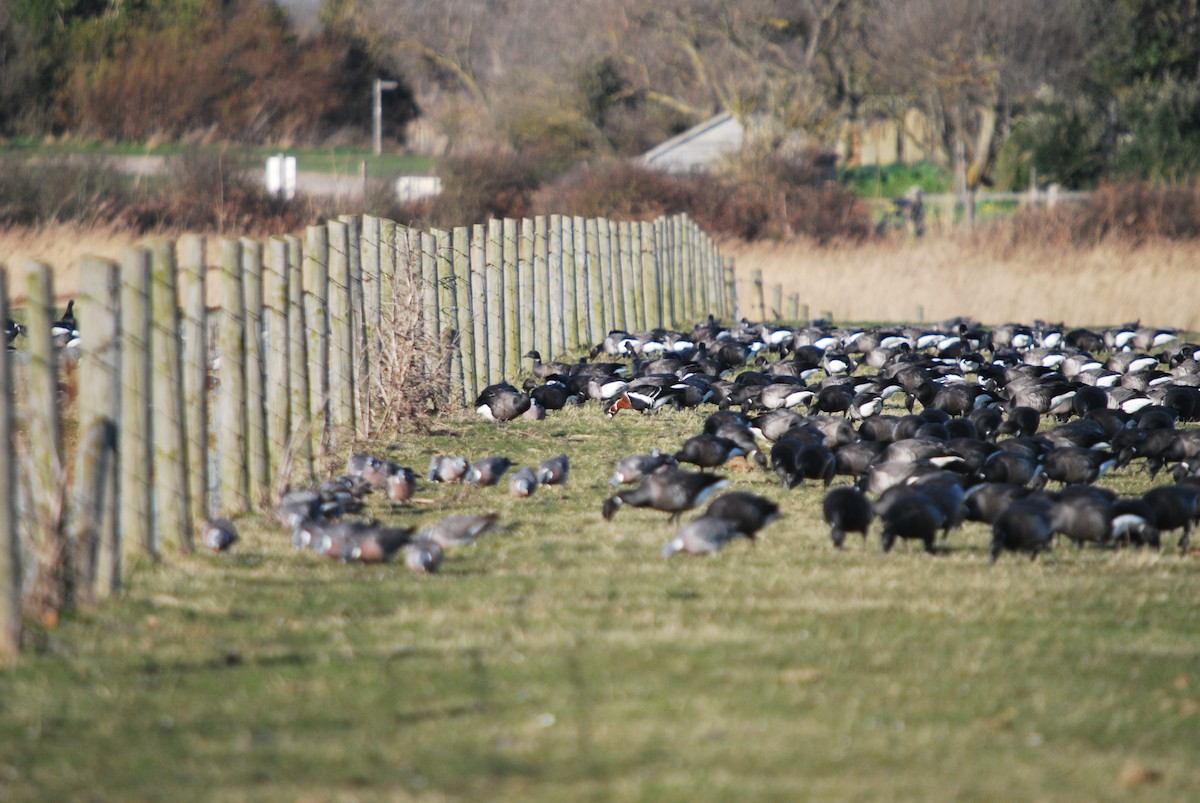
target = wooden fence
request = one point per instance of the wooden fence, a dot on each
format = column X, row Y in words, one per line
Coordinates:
column 284, row 371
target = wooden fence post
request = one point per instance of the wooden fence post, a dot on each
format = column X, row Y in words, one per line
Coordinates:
column 756, row 279
column 300, row 431
column 542, row 338
column 10, row 541
column 512, row 299
column 495, row 325
column 525, row 277
column 43, row 446
column 479, row 309
column 173, row 519
column 367, row 308
column 582, row 325
column 429, row 287
column 136, row 518
column 95, row 512
column 448, row 303
column 230, row 421
column 463, row 303
column 358, row 322
column 595, row 284
column 794, row 306
column 777, row 301
column 610, row 274
column 636, row 258
column 341, row 331
column 316, row 319
column 554, row 306
column 279, row 394
column 651, row 284
column 731, row 294
column 629, row 283
column 571, row 340
column 258, row 462
column 193, row 289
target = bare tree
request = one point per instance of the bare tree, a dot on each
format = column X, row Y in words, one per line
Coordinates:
column 971, row 63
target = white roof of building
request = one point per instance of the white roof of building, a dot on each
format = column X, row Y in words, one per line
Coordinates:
column 699, row 147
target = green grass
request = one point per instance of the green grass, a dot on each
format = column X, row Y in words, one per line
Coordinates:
column 893, row 180
column 565, row 660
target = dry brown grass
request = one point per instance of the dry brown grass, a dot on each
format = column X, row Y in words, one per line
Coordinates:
column 945, row 276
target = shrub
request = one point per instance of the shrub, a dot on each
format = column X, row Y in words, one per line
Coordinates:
column 58, row 189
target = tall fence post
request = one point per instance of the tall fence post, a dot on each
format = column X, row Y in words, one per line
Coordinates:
column 231, row 406
column 448, row 303
column 358, row 322
column 279, row 394
column 316, row 318
column 731, row 294
column 43, row 442
column 595, row 284
column 464, row 304
column 610, row 274
column 512, row 299
column 299, row 436
column 10, row 542
column 193, row 290
column 629, row 286
column 136, row 518
column 651, row 276
column 496, row 326
column 254, row 361
column 554, row 306
column 756, row 279
column 571, row 341
column 541, row 286
column 95, row 510
column 173, row 522
column 525, row 277
column 368, row 310
column 341, row 332
column 582, row 314
column 636, row 258
column 479, row 308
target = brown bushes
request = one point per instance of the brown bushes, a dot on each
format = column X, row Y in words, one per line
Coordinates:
column 1131, row 214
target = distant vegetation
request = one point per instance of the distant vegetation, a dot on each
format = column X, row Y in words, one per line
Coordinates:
column 536, row 101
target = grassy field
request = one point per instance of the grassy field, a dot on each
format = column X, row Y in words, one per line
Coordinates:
column 566, row 660
column 941, row 276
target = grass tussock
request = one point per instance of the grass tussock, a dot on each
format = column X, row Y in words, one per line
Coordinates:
column 565, row 659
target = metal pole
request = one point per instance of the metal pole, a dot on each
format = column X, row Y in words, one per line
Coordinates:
column 377, row 112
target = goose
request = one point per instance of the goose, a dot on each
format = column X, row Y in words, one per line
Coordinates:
column 987, row 500
column 543, row 370
column 670, row 491
column 846, row 509
column 911, row 515
column 459, row 530
column 702, row 536
column 1083, row 514
column 488, row 471
column 423, row 557
column 65, row 330
column 401, row 485
column 793, row 461
column 707, row 451
column 749, row 512
column 218, row 534
column 854, row 459
column 501, row 402
column 1175, row 506
column 552, row 395
column 633, row 468
column 1024, row 526
column 523, row 483
column 444, row 468
column 553, row 470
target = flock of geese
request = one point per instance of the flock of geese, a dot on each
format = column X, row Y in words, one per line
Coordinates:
column 1009, row 425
